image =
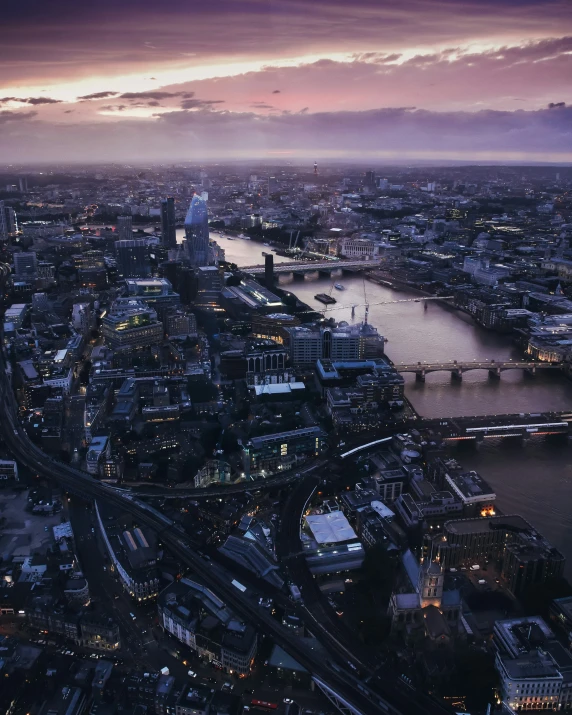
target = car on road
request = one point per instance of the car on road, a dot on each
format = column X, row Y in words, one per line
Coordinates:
column 192, row 674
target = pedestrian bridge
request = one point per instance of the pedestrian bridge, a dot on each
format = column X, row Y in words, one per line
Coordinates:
column 457, row 368
column 312, row 266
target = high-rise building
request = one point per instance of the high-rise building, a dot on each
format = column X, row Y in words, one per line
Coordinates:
column 197, row 232
column 132, row 258
column 8, row 221
column 25, row 264
column 125, row 227
column 168, row 223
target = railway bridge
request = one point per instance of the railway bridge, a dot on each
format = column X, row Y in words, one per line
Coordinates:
column 457, row 367
column 303, row 267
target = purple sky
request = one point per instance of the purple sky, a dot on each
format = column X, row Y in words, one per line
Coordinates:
column 134, row 80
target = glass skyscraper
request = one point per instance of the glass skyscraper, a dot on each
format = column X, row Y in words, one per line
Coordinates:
column 197, row 232
column 168, row 223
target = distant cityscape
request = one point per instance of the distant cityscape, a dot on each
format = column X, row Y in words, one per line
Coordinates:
column 219, row 494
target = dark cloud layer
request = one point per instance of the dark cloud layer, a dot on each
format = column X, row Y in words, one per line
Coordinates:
column 398, row 134
column 65, row 38
column 97, row 95
column 35, row 101
column 8, row 116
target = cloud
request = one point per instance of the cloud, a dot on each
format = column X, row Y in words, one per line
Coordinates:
column 261, row 105
column 97, row 95
column 114, row 107
column 66, row 39
column 8, row 116
column 200, row 103
column 30, row 100
column 276, row 91
column 152, row 94
column 556, row 105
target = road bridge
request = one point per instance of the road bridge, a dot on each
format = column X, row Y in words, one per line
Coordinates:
column 458, row 367
column 313, row 266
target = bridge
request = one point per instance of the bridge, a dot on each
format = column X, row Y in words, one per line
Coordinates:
column 494, row 367
column 479, row 428
column 313, row 266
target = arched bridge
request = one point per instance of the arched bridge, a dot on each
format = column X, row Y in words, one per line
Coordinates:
column 311, row 266
column 494, row 367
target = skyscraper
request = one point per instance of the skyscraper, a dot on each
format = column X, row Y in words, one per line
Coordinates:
column 125, row 227
column 168, row 223
column 8, row 221
column 132, row 258
column 197, row 232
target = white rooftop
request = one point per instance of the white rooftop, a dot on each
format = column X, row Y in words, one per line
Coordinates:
column 332, row 528
column 384, row 511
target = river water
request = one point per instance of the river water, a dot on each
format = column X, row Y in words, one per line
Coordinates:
column 533, row 480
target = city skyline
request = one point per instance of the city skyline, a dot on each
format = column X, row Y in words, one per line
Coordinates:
column 439, row 82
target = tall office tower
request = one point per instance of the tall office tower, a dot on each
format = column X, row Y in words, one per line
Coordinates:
column 370, row 178
column 25, row 264
column 23, row 184
column 125, row 227
column 8, row 221
column 197, row 232
column 132, row 258
column 168, row 223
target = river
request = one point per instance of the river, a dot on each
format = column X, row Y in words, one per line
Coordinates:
column 534, row 481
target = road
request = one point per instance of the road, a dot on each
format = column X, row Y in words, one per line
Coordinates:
column 347, row 685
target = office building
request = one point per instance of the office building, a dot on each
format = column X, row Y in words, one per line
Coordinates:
column 132, row 326
column 196, row 617
column 8, row 221
column 210, row 281
column 8, row 472
column 155, row 292
column 132, row 258
column 25, row 264
column 99, row 451
column 125, row 228
column 16, row 314
column 535, row 670
column 283, row 450
column 345, row 342
column 132, row 551
column 168, row 223
column 81, row 317
column 526, row 556
column 197, row 232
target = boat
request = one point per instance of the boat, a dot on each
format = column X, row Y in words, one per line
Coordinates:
column 325, row 298
column 265, row 253
column 266, row 244
column 339, row 286
column 230, row 238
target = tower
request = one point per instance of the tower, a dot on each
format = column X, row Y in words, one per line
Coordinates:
column 132, row 258
column 430, row 585
column 315, row 168
column 197, row 232
column 168, row 223
column 125, row 227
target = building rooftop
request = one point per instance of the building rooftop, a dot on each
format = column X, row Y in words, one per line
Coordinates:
column 470, row 487
column 332, row 528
